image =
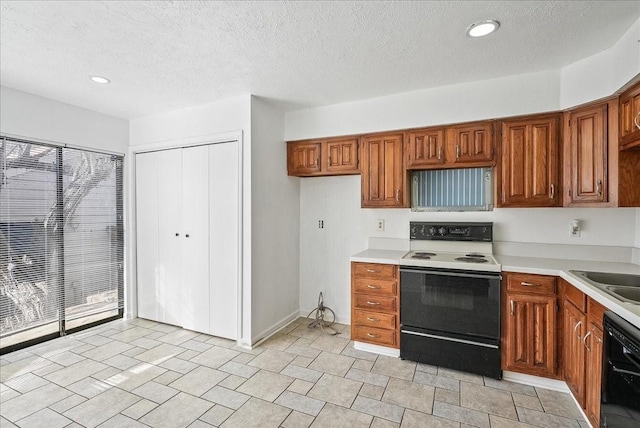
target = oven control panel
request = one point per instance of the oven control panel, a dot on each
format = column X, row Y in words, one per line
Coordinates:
column 425, row 231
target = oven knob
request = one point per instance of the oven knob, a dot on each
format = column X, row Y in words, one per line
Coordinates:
column 442, row 231
column 432, row 231
column 413, row 230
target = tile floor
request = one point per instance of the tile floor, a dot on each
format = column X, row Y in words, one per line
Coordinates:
column 136, row 373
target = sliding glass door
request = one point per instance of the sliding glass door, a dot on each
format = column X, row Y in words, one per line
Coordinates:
column 61, row 240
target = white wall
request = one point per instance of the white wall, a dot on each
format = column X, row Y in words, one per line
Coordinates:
column 603, row 74
column 275, row 199
column 232, row 115
column 31, row 116
column 509, row 96
column 324, row 253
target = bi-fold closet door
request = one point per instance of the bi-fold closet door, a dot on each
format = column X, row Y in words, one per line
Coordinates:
column 187, row 237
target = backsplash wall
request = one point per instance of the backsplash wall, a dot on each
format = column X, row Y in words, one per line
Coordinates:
column 324, row 253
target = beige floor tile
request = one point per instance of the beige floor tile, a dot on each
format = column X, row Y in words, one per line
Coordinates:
column 425, row 378
column 68, row 403
column 89, row 387
column 107, row 351
column 159, row 354
column 297, row 420
column 131, row 334
column 394, row 367
column 25, row 383
column 461, row 414
column 300, row 386
column 145, row 342
column 413, row 419
column 329, row 344
column 361, row 364
column 75, row 372
column 505, row 385
column 196, row 345
column 167, row 377
column 466, row 377
column 336, row 390
column 272, row 360
column 333, row 364
column 22, row 366
column 545, row 420
column 367, row 377
column 135, row 376
column 301, row 361
column 300, row 403
column 383, row 423
column 410, row 395
column 226, row 397
column 257, row 413
column 232, row 381
column 199, row 381
column 350, row 351
column 238, row 369
column 217, row 415
column 378, row 408
column 489, row 400
column 527, row 401
column 178, row 336
column 139, row 409
column 68, row 358
column 266, row 385
column 45, row 418
column 372, row 391
column 102, row 407
column 243, row 358
column 498, row 422
column 178, row 365
column 155, row 392
column 280, row 342
column 558, row 403
column 301, row 373
column 306, row 333
column 333, row 416
column 179, row 411
column 447, row 396
column 215, row 357
column 121, row 362
column 121, row 421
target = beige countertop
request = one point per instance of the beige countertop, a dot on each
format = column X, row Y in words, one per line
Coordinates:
column 543, row 266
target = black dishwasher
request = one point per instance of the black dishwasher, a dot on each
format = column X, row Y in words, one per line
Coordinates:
column 620, row 398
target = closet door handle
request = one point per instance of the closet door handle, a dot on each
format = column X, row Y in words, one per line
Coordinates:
column 575, row 328
column 584, row 341
column 553, row 192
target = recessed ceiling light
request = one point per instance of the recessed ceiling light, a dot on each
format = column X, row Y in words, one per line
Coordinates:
column 100, row 79
column 482, row 28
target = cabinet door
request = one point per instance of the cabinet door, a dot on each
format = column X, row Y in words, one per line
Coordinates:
column 528, row 174
column 170, row 235
column 426, row 148
column 470, row 144
column 588, row 155
column 629, row 115
column 574, row 351
column 529, row 344
column 303, row 159
column 342, row 157
column 593, row 345
column 384, row 182
column 224, row 235
column 147, row 209
column 193, row 288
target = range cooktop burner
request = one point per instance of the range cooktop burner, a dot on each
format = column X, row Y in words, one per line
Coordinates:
column 422, row 255
column 472, row 259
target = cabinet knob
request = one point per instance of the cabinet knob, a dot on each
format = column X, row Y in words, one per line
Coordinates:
column 186, row 236
column 177, row 234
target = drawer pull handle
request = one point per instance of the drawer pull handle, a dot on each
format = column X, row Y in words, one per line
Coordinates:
column 372, row 303
column 584, row 341
column 373, row 319
column 599, row 187
column 529, row 284
column 373, row 271
column 374, row 287
column 575, row 328
column 375, row 336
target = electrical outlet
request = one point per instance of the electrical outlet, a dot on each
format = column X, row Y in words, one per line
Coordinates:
column 320, row 224
column 574, row 228
column 380, row 225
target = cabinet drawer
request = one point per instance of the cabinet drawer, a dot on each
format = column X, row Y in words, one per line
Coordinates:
column 374, row 303
column 534, row 284
column 575, row 296
column 374, row 319
column 375, row 286
column 374, row 270
column 375, row 335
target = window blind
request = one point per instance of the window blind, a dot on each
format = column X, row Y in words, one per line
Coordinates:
column 61, row 239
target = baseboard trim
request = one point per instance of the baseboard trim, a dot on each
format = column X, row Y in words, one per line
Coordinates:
column 264, row 335
column 377, row 349
column 542, row 382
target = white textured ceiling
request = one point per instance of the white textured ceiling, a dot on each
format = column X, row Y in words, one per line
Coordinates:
column 163, row 55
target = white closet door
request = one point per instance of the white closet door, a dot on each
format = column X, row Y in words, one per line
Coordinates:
column 147, row 235
column 170, row 235
column 194, row 287
column 223, row 224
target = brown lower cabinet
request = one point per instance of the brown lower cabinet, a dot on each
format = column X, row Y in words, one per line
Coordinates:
column 540, row 340
column 375, row 302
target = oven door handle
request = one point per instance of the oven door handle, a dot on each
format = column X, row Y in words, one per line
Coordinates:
column 630, row 356
column 463, row 275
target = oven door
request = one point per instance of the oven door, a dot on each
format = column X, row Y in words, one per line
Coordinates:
column 463, row 304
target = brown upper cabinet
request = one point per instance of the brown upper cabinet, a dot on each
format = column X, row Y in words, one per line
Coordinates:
column 629, row 118
column 335, row 156
column 527, row 174
column 590, row 161
column 384, row 177
column 457, row 146
column 470, row 144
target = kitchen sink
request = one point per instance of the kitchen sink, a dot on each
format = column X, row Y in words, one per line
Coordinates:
column 624, row 287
